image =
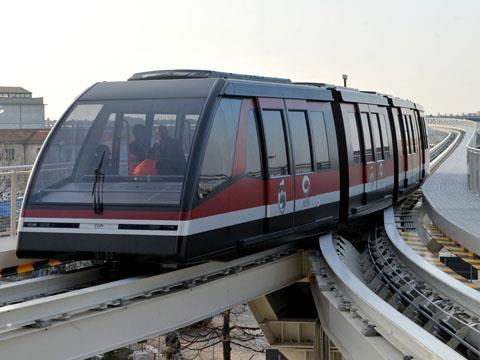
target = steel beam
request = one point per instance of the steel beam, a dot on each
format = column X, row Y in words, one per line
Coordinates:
column 46, row 285
column 455, row 290
column 345, row 329
column 406, row 336
column 91, row 332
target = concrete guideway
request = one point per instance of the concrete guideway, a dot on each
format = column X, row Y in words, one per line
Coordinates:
column 451, row 206
column 440, row 151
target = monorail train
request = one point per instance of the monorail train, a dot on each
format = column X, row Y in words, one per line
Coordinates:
column 183, row 165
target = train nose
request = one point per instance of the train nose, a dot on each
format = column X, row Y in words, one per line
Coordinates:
column 41, row 237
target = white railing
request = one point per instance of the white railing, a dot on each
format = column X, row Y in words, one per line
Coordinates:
column 473, row 161
column 13, row 180
column 449, row 122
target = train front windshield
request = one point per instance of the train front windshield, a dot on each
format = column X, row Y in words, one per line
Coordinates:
column 122, row 152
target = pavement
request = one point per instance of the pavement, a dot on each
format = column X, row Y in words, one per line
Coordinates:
column 451, row 206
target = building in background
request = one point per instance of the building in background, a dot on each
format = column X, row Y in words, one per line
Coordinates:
column 19, row 110
column 20, row 146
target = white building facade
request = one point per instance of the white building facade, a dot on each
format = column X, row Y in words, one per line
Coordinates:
column 18, row 110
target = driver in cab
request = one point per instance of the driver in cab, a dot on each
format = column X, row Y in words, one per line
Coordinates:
column 149, row 165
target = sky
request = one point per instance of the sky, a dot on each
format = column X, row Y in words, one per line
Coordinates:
column 423, row 50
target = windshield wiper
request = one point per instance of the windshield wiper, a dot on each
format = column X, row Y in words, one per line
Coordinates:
column 97, row 189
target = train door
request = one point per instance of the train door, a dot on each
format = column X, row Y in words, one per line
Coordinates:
column 377, row 151
column 415, row 176
column 387, row 172
column 353, row 180
column 302, row 163
column 398, row 146
column 280, row 192
column 424, row 148
column 412, row 160
column 419, row 140
column 369, row 163
column 315, row 166
column 406, row 135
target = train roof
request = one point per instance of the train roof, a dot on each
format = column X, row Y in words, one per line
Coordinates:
column 188, row 83
column 201, row 74
column 242, row 84
column 267, row 89
column 151, row 89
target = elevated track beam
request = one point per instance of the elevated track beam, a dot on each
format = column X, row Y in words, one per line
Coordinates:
column 116, row 314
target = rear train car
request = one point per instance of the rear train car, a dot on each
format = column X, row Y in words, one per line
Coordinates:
column 183, row 165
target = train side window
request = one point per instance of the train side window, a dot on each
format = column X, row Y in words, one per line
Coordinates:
column 377, row 137
column 253, row 165
column 135, row 142
column 104, row 148
column 418, row 136
column 320, row 140
column 355, row 137
column 276, row 145
column 413, row 133
column 218, row 158
column 367, row 137
column 189, row 127
column 407, row 133
column 166, row 121
column 297, row 121
column 385, row 132
column 424, row 130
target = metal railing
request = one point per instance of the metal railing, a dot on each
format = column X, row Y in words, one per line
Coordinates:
column 473, row 161
column 13, row 180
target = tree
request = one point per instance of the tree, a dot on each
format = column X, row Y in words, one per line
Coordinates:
column 229, row 332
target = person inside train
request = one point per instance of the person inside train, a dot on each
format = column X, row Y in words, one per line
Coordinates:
column 138, row 147
column 172, row 160
column 148, row 166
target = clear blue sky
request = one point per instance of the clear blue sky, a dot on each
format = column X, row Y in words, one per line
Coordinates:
column 425, row 50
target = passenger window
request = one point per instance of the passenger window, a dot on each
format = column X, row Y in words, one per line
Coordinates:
column 297, row 122
column 253, row 166
column 135, row 142
column 424, row 132
column 189, row 127
column 407, row 133
column 417, row 133
column 367, row 138
column 385, row 133
column 276, row 145
column 218, row 158
column 167, row 121
column 355, row 135
column 377, row 138
column 412, row 132
column 103, row 150
column 319, row 140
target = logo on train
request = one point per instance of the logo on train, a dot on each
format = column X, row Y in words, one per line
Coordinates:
column 282, row 197
column 306, row 185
